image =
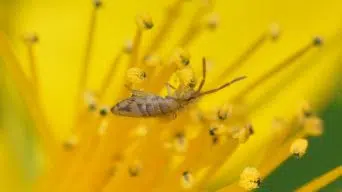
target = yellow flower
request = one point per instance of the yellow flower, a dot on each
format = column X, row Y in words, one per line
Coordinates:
column 72, row 61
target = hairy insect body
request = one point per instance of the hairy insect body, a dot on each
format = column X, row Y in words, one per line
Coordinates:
column 146, row 106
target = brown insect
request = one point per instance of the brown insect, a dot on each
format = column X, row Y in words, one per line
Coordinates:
column 143, row 104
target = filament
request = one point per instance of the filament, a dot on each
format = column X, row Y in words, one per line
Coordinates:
column 278, row 68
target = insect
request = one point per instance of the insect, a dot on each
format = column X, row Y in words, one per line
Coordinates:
column 143, row 104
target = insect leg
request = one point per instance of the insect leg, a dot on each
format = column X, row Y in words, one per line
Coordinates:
column 136, row 93
column 168, row 88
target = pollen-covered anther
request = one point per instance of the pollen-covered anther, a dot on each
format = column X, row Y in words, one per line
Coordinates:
column 250, row 179
column 213, row 21
column 298, row 147
column 31, row 38
column 70, row 143
column 313, row 126
column 186, row 77
column 186, row 180
column 180, row 58
column 224, row 112
column 144, row 21
column 217, row 129
column 135, row 169
column 317, row 41
column 135, row 75
column 97, row 3
column 274, row 31
column 243, row 134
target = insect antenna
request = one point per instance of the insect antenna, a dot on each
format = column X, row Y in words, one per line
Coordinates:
column 204, row 71
column 222, row 86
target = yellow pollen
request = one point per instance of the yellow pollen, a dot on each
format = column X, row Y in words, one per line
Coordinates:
column 313, row 126
column 135, row 76
column 144, row 21
column 250, row 179
column 298, row 147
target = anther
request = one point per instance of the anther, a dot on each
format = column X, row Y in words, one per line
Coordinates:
column 135, row 75
column 181, row 58
column 104, row 111
column 215, row 139
column 92, row 107
column 186, row 180
column 70, row 143
column 144, row 21
column 212, row 131
column 317, row 41
column 90, row 101
column 128, row 46
column 135, row 170
column 274, row 31
column 306, row 110
column 250, row 179
column 299, row 147
column 250, row 129
column 186, row 77
column 212, row 21
column 97, row 3
column 180, row 142
column 31, row 38
column 224, row 112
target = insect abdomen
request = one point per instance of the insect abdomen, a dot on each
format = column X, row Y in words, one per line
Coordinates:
column 149, row 106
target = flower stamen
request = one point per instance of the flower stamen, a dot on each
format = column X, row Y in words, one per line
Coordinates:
column 323, row 180
column 171, row 16
column 272, row 34
column 89, row 45
column 278, row 68
column 144, row 22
